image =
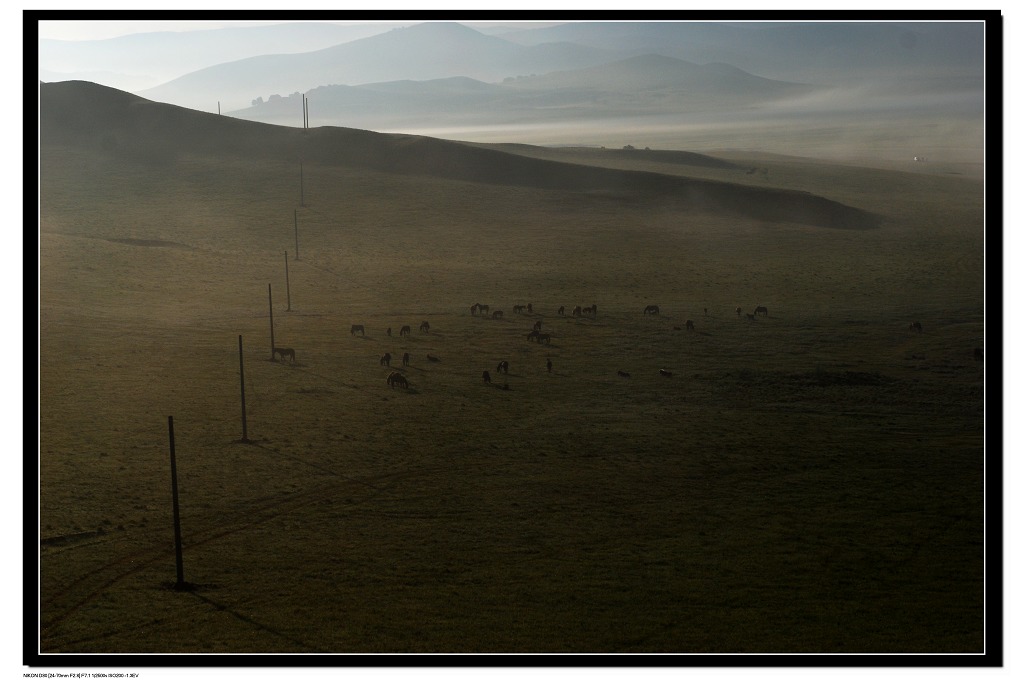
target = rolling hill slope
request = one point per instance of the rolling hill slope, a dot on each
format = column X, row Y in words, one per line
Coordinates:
column 83, row 114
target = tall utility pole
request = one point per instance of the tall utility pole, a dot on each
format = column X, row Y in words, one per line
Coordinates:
column 296, row 234
column 287, row 284
column 177, row 518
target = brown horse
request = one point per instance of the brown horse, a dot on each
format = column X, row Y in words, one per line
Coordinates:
column 425, row 327
column 283, row 352
column 544, row 338
column 690, row 326
column 761, row 309
column 739, row 311
column 405, row 331
column 750, row 316
column 359, row 328
column 537, row 325
column 561, row 310
column 497, row 314
column 665, row 372
column 577, row 311
column 503, row 366
column 533, row 335
column 915, row 326
column 385, row 360
column 396, row 379
column 652, row 309
column 405, row 360
column 487, row 376
column 517, row 309
column 484, row 309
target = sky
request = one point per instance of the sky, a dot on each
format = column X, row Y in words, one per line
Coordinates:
column 11, row 426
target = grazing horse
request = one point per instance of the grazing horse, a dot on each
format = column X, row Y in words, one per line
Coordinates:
column 283, row 352
column 750, row 316
column 484, row 309
column 588, row 310
column 474, row 308
column 425, row 327
column 624, row 375
column 665, row 372
column 533, row 335
column 503, row 366
column 739, row 311
column 517, row 309
column 396, row 379
column 537, row 325
column 405, row 360
column 487, row 376
column 561, row 310
column 761, row 309
column 497, row 314
column 432, row 358
column 690, row 326
column 359, row 328
column 577, row 311
column 529, row 307
column 979, row 354
column 652, row 309
column 405, row 331
column 544, row 338
column 915, row 326
column 385, row 360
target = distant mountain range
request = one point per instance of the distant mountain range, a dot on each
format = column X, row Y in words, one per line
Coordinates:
column 646, row 85
column 585, row 82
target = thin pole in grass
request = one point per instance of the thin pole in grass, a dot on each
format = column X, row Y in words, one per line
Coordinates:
column 296, row 234
column 302, row 186
column 287, row 283
column 241, row 376
column 179, row 564
column 270, row 297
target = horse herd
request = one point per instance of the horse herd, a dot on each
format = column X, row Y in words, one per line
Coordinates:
column 396, row 379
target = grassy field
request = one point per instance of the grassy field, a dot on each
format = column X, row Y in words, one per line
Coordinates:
column 810, row 481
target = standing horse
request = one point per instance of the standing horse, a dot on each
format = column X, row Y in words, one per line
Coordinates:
column 487, row 376
column 425, row 327
column 915, row 326
column 544, row 338
column 739, row 311
column 283, row 352
column 537, row 325
column 690, row 326
column 473, row 309
column 359, row 328
column 385, row 360
column 761, row 309
column 503, row 366
column 518, row 309
column 396, row 379
column 484, row 309
column 405, row 331
column 405, row 360
column 652, row 309
column 577, row 311
column 497, row 314
column 533, row 335
column 561, row 310
column 529, row 307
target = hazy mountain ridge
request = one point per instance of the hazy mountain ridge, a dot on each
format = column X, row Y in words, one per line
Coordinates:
column 82, row 114
column 156, row 57
column 422, row 52
column 643, row 85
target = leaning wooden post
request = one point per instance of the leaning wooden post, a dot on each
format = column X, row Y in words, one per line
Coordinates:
column 287, row 284
column 302, row 186
column 271, row 299
column 177, row 519
column 241, row 376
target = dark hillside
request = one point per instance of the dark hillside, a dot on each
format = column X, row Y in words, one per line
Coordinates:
column 77, row 113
